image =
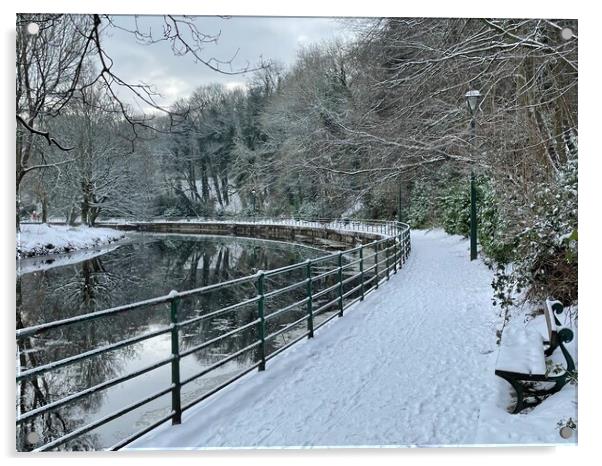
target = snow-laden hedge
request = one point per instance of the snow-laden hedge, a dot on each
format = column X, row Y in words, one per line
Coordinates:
column 40, row 239
column 545, row 250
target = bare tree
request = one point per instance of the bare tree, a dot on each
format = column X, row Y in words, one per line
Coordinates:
column 67, row 56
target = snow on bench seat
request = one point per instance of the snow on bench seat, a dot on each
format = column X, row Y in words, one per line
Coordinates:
column 521, row 351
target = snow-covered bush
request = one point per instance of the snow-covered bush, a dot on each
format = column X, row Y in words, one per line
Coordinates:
column 545, row 256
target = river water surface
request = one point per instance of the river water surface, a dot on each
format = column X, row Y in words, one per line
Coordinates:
column 143, row 267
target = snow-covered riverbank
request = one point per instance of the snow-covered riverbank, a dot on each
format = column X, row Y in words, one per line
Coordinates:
column 43, row 239
column 411, row 365
column 51, row 261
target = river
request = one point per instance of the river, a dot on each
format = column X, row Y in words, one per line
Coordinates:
column 144, row 266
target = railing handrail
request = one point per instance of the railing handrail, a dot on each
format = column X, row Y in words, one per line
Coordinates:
column 284, row 221
column 395, row 249
column 249, row 218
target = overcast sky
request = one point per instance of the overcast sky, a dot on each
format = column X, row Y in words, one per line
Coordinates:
column 270, row 38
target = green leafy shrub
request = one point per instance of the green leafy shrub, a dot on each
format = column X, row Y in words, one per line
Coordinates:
column 492, row 227
column 545, row 258
column 421, row 212
column 455, row 208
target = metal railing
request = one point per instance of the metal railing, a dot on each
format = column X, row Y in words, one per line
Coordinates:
column 379, row 227
column 329, row 284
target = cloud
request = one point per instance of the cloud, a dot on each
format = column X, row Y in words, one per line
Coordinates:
column 231, row 85
column 249, row 39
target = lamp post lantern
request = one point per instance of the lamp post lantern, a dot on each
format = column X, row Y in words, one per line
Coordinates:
column 473, row 98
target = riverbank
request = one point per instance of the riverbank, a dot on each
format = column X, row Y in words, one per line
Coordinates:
column 42, row 239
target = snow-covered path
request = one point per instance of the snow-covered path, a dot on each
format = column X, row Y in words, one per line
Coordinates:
column 408, row 366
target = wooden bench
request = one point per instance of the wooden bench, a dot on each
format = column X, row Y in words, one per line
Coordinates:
column 522, row 359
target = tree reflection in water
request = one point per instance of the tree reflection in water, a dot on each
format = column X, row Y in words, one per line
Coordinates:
column 149, row 266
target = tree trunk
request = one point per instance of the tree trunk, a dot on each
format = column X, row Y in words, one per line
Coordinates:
column 18, row 216
column 204, row 180
column 86, row 204
column 191, row 178
column 44, row 207
column 94, row 213
column 225, row 194
column 217, row 188
column 24, row 149
column 72, row 215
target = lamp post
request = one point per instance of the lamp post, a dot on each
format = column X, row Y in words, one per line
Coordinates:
column 472, row 101
column 253, row 196
column 399, row 207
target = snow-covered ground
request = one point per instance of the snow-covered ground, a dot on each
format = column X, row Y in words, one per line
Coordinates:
column 43, row 239
column 411, row 365
column 50, row 261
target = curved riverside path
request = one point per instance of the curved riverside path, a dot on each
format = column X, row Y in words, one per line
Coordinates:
column 409, row 365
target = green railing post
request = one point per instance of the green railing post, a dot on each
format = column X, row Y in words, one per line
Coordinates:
column 310, row 304
column 387, row 258
column 394, row 254
column 261, row 324
column 400, row 251
column 376, row 264
column 176, row 403
column 340, row 284
column 400, row 256
column 361, row 272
